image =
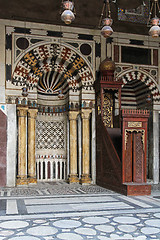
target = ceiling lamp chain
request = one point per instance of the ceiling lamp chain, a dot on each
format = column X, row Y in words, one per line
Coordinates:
column 106, row 22
column 68, row 12
column 155, row 21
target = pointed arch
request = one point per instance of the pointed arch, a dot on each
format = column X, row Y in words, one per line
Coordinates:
column 147, row 79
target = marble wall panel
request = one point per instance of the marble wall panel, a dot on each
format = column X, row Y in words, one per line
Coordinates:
column 3, row 147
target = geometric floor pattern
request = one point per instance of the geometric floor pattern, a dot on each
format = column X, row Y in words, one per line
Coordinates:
column 51, row 188
column 80, row 212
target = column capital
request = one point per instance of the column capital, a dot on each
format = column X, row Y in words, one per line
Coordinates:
column 32, row 112
column 85, row 113
column 22, row 111
column 73, row 115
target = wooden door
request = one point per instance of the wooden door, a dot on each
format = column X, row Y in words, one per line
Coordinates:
column 134, row 158
column 138, row 158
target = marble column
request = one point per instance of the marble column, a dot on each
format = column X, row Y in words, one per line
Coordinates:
column 32, row 114
column 11, row 145
column 22, row 166
column 85, row 177
column 93, row 157
column 155, row 147
column 73, row 176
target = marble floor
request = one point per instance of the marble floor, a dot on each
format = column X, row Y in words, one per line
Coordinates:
column 60, row 211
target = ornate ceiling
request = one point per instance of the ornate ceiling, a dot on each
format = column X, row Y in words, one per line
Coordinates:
column 88, row 13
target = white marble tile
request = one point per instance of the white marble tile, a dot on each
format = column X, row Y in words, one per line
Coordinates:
column 126, row 220
column 52, row 201
column 100, row 199
column 153, row 222
column 125, row 236
column 76, row 207
column 100, row 206
column 95, row 220
column 11, row 207
column 103, row 238
column 42, row 231
column 48, row 208
column 69, row 236
column 70, row 200
column 150, row 230
column 13, row 224
column 157, row 215
column 141, row 238
column 127, row 228
column 136, row 202
column 25, row 238
column 149, row 199
column 85, row 231
column 67, row 224
column 39, row 221
column 105, row 228
column 6, row 233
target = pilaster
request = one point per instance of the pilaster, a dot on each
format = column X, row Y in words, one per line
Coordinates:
column 73, row 176
column 85, row 178
column 32, row 114
column 155, row 147
column 22, row 166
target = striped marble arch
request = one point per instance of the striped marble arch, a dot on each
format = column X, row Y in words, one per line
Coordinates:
column 53, row 67
column 136, row 76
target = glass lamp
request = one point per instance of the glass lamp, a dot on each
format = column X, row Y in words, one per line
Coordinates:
column 105, row 23
column 68, row 15
column 155, row 21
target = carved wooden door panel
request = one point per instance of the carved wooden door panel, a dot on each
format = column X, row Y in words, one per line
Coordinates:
column 138, row 158
column 128, row 158
column 134, row 158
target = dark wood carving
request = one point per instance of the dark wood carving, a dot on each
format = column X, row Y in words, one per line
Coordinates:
column 122, row 170
column 138, row 158
column 134, row 141
column 129, row 176
column 109, row 167
column 128, row 159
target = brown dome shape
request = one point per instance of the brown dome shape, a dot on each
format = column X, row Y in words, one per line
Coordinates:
column 107, row 65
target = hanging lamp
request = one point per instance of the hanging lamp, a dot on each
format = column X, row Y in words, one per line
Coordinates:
column 68, row 12
column 155, row 21
column 106, row 22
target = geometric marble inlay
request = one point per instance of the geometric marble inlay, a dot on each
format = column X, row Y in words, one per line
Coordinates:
column 50, row 135
column 52, row 67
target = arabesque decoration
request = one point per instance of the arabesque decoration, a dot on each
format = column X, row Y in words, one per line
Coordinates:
column 52, row 66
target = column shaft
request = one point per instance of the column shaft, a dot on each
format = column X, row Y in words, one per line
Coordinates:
column 155, row 147
column 73, row 176
column 85, row 178
column 32, row 114
column 22, row 170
